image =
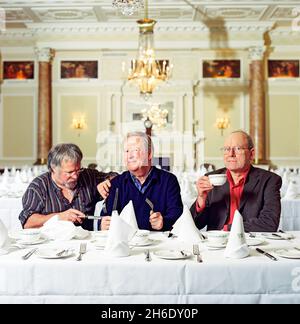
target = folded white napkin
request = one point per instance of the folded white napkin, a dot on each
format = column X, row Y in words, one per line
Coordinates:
column 185, row 227
column 292, row 190
column 120, row 233
column 57, row 229
column 128, row 215
column 237, row 247
column 4, row 240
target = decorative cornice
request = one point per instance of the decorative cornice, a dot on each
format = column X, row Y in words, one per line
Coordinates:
column 36, row 29
column 285, row 31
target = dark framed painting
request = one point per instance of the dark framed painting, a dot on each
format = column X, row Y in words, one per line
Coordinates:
column 225, row 69
column 79, row 69
column 283, row 68
column 18, row 70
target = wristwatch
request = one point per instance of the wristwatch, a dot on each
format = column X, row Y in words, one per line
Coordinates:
column 148, row 123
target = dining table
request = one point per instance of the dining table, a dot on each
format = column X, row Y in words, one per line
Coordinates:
column 164, row 270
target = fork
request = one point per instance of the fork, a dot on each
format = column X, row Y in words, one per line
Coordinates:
column 148, row 256
column 29, row 254
column 197, row 252
column 82, row 250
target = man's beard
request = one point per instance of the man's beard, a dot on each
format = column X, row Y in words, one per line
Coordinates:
column 70, row 185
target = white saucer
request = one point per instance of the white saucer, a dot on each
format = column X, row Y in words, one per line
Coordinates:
column 51, row 253
column 253, row 241
column 288, row 253
column 173, row 254
column 215, row 246
column 39, row 241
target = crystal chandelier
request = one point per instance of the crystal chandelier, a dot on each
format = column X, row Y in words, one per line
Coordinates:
column 157, row 116
column 128, row 7
column 145, row 71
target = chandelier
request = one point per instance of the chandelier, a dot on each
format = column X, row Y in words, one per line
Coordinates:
column 128, row 7
column 157, row 116
column 146, row 72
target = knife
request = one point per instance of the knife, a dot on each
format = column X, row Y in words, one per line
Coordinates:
column 150, row 203
column 277, row 235
column 266, row 254
column 93, row 217
column 116, row 199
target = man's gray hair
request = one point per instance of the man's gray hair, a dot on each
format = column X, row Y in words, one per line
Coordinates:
column 248, row 137
column 148, row 144
column 61, row 152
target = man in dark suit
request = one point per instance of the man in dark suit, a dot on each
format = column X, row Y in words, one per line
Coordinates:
column 253, row 191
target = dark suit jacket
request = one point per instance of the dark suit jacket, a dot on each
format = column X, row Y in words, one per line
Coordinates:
column 260, row 203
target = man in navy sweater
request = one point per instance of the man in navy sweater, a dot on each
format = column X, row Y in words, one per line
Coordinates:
column 143, row 181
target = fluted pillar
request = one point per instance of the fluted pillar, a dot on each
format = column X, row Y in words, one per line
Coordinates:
column 45, row 56
column 257, row 104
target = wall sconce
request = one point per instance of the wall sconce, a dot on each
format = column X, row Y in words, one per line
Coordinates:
column 222, row 123
column 78, row 123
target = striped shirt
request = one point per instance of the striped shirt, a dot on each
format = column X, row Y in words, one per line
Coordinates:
column 43, row 196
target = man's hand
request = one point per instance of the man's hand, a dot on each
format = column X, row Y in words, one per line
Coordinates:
column 156, row 220
column 72, row 215
column 203, row 187
column 105, row 223
column 103, row 188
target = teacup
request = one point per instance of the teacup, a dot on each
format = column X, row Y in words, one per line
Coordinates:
column 217, row 237
column 141, row 236
column 30, row 235
column 217, row 179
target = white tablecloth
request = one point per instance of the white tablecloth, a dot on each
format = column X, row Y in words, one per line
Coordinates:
column 290, row 215
column 102, row 279
column 10, row 209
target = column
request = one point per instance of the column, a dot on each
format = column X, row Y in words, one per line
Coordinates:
column 257, row 104
column 45, row 56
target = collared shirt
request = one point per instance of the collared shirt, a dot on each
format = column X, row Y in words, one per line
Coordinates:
column 162, row 189
column 236, row 191
column 142, row 187
column 43, row 196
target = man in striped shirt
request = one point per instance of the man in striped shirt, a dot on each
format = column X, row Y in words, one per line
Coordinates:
column 66, row 190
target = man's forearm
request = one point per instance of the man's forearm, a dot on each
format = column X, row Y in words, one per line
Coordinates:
column 37, row 220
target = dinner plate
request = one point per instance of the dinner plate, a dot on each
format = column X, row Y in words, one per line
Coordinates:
column 280, row 236
column 143, row 243
column 172, row 254
column 51, row 253
column 39, row 241
column 254, row 241
column 99, row 234
column 288, row 253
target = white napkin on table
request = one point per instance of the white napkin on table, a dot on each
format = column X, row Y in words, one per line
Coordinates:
column 185, row 227
column 237, row 247
column 4, row 240
column 120, row 233
column 57, row 229
column 128, row 215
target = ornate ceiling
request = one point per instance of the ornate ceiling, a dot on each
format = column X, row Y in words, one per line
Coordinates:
column 26, row 13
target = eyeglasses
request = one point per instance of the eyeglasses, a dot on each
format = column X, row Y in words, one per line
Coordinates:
column 71, row 173
column 236, row 149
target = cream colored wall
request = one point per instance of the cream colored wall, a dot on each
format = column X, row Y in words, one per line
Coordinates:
column 18, row 126
column 197, row 105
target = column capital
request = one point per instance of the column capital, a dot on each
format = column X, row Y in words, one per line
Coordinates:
column 256, row 53
column 45, row 54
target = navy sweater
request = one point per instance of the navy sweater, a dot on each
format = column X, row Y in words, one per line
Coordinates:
column 163, row 191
